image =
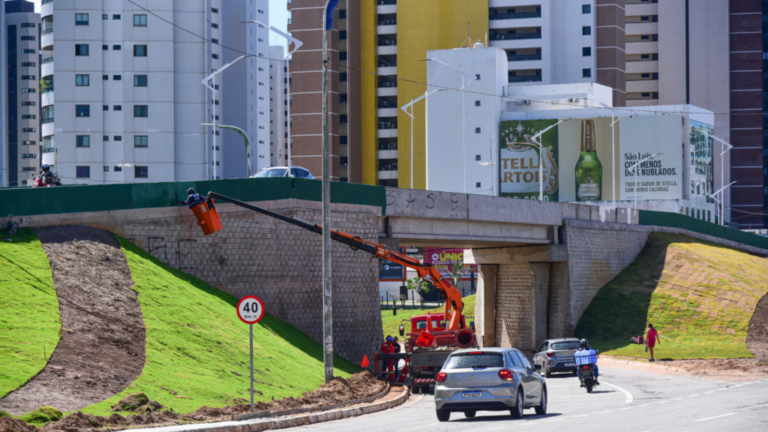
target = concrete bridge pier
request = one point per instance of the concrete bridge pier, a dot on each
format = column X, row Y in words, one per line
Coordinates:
column 521, row 300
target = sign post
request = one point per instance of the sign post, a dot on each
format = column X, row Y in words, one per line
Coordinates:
column 250, row 310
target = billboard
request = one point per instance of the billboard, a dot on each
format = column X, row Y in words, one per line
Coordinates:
column 578, row 156
column 441, row 258
column 391, row 272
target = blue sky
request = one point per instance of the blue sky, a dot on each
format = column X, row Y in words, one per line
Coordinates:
column 278, row 17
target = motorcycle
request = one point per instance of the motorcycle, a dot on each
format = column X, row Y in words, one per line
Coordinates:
column 40, row 181
column 587, row 377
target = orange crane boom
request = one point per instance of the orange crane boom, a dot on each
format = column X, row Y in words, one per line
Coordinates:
column 454, row 305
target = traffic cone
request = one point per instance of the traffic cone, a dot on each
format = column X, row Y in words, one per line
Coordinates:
column 364, row 364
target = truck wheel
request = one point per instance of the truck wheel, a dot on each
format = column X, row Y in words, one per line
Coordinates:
column 517, row 411
column 470, row 414
column 443, row 415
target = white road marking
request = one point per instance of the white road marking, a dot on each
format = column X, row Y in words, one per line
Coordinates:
column 716, row 417
column 580, row 416
column 677, row 399
column 693, row 396
column 663, row 402
column 604, row 412
column 709, row 392
column 627, row 394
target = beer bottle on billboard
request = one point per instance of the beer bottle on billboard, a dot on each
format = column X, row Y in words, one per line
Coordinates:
column 589, row 170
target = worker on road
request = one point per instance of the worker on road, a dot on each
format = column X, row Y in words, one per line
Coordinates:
column 193, row 199
column 396, row 348
column 651, row 337
column 387, row 348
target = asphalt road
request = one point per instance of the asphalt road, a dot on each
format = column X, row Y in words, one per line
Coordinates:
column 626, row 401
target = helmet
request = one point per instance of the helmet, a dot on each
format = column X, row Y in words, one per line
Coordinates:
column 46, row 167
column 190, row 191
column 584, row 343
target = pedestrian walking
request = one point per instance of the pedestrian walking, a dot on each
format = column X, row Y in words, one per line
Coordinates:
column 651, row 337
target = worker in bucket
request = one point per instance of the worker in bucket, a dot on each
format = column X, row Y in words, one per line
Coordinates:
column 193, row 199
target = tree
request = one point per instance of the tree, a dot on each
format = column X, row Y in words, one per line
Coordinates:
column 454, row 269
column 419, row 284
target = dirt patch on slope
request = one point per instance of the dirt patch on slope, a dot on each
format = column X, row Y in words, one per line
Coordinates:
column 757, row 335
column 726, row 370
column 102, row 346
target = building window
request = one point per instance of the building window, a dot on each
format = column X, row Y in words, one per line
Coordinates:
column 81, row 49
column 28, row 90
column 141, row 172
column 29, row 104
column 478, row 185
column 477, row 77
column 214, row 10
column 139, row 50
column 106, row 107
column 105, row 16
column 585, row 9
column 214, row 56
column 28, row 78
column 82, row 80
column 106, row 138
column 118, row 138
column 139, row 80
column 105, row 47
column 117, row 108
column 83, row 172
column 586, row 73
column 477, row 103
column 342, row 77
column 105, row 77
column 28, row 156
column 81, row 19
column 29, row 116
column 118, row 168
column 343, row 56
column 140, row 20
column 106, row 168
column 117, row 77
column 28, row 142
column 477, row 130
column 586, row 52
column 116, row 16
column 28, row 130
column 83, row 141
column 141, row 111
column 27, row 38
column 342, row 35
column 342, row 14
column 214, row 25
column 83, row 110
column 586, row 30
column 215, row 41
column 141, row 141
column 28, row 51
column 342, row 119
column 477, row 157
column 28, row 64
column 117, row 47
column 27, row 25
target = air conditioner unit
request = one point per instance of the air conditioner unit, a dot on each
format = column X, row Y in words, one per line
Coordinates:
column 526, row 102
column 573, row 100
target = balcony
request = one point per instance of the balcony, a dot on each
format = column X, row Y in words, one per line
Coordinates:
column 524, row 54
column 46, row 84
column 388, row 174
column 384, row 7
column 387, row 84
column 496, row 36
column 514, row 15
column 387, row 112
column 387, row 154
column 525, row 76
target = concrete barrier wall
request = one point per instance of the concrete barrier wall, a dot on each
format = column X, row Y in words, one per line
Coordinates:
column 258, row 255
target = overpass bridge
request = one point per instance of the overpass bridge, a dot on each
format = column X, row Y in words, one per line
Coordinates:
column 540, row 263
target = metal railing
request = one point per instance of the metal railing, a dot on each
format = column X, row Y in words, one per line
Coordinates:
column 386, row 2
column 388, row 84
column 514, row 15
column 390, row 63
column 387, row 42
column 48, row 60
column 48, row 30
column 515, row 36
column 385, row 104
column 525, row 78
column 390, row 146
column 522, row 57
column 388, row 167
column 387, row 22
column 387, row 125
column 45, row 1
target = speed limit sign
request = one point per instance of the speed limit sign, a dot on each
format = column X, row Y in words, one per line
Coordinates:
column 250, row 309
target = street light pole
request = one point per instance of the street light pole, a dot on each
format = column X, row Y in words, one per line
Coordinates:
column 330, row 8
column 537, row 139
column 633, row 167
column 722, row 174
column 410, row 114
column 490, row 164
column 212, row 78
column 297, row 44
column 722, row 200
column 243, row 135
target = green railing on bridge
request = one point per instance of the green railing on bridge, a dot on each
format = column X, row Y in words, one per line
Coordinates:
column 95, row 198
column 676, row 220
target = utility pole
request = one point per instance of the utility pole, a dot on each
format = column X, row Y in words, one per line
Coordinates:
column 330, row 8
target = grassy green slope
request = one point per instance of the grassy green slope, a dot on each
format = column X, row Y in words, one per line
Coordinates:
column 391, row 323
column 195, row 342
column 29, row 309
column 699, row 294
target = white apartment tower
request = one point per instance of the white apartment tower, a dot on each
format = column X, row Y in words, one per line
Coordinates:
column 278, row 106
column 128, row 94
column 21, row 108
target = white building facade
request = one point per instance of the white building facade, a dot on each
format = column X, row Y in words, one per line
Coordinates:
column 21, row 109
column 127, row 90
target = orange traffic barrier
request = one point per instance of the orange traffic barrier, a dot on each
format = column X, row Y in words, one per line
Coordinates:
column 207, row 217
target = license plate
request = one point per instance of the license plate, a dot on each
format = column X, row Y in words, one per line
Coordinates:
column 467, row 395
column 570, row 364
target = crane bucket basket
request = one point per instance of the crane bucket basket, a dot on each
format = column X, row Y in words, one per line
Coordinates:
column 207, row 217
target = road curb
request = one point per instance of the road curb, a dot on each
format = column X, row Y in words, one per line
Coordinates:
column 311, row 418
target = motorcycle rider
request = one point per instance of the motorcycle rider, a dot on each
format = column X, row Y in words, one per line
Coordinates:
column 48, row 178
column 585, row 350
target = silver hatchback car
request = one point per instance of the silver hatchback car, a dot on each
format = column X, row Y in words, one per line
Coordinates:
column 556, row 355
column 489, row 379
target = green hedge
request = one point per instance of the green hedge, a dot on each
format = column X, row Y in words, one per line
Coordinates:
column 94, row 198
column 675, row 220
